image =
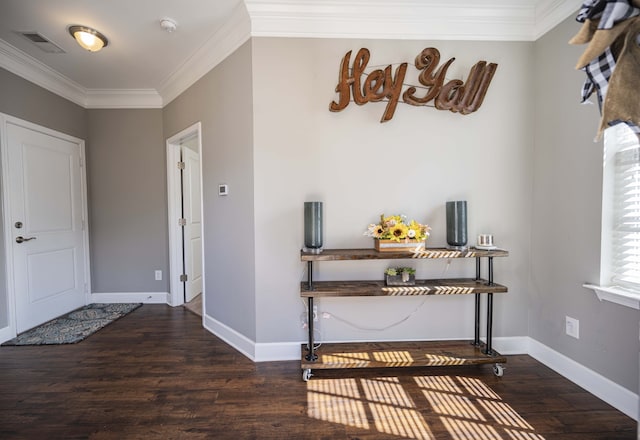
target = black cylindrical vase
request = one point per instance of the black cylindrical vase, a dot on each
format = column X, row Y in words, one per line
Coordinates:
column 313, row 227
column 457, row 223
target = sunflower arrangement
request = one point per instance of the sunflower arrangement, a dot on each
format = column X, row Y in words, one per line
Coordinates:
column 397, row 228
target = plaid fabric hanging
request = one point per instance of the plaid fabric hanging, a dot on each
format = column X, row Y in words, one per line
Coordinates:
column 608, row 13
column 606, row 25
column 598, row 73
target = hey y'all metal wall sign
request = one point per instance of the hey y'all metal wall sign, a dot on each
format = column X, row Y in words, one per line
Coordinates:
column 379, row 85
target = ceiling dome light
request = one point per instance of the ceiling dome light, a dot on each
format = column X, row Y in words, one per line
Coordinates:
column 88, row 38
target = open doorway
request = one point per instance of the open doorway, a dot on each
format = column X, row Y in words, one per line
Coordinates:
column 184, row 183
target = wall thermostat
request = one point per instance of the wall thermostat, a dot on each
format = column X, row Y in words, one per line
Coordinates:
column 223, row 190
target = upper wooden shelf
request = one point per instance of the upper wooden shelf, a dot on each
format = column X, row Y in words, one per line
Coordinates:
column 372, row 254
column 452, row 286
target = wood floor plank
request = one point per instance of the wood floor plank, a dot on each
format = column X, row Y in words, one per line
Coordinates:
column 157, row 374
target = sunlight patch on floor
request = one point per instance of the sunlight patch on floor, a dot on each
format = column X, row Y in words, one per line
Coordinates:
column 453, row 405
column 386, row 390
column 336, row 401
column 464, row 429
column 466, row 408
column 402, row 422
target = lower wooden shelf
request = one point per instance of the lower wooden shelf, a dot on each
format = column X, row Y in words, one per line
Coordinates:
column 399, row 354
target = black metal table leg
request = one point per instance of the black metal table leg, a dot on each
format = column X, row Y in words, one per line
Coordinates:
column 490, row 271
column 489, row 350
column 310, row 275
column 476, row 334
column 311, row 355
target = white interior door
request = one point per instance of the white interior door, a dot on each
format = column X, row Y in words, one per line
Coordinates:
column 45, row 200
column 193, row 228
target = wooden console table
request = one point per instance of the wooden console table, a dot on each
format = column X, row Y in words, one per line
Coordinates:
column 402, row 354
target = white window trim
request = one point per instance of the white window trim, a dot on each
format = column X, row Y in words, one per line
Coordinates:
column 605, row 291
column 616, row 295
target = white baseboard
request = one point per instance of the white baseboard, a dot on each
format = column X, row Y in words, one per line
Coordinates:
column 237, row 340
column 131, row 297
column 511, row 345
column 277, row 351
column 619, row 397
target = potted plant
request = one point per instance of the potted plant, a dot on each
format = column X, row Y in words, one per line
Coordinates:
column 400, row 276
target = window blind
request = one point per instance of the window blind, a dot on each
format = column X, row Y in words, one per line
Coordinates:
column 625, row 239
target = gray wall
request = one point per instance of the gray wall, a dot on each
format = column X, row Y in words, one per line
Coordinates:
column 25, row 100
column 222, row 102
column 22, row 99
column 565, row 232
column 126, row 179
column 127, row 182
column 410, row 165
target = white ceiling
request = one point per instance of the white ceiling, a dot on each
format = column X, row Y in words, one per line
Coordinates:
column 144, row 66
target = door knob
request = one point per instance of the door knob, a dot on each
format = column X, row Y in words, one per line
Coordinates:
column 21, row 239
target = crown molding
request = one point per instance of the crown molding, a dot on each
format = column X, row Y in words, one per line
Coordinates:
column 550, row 13
column 235, row 32
column 486, row 20
column 490, row 20
column 122, row 98
column 495, row 20
column 25, row 66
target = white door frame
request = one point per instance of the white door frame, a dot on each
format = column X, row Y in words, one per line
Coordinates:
column 174, row 195
column 10, row 331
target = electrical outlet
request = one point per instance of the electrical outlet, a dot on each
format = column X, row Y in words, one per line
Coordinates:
column 572, row 327
column 315, row 313
column 158, row 275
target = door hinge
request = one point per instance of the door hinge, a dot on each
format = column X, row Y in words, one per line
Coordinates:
column 183, row 277
column 181, row 165
column 81, row 161
column 182, row 222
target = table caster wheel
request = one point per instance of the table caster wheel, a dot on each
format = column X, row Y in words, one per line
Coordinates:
column 498, row 370
column 306, row 374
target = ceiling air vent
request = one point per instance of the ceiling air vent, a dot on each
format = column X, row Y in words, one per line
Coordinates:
column 42, row 42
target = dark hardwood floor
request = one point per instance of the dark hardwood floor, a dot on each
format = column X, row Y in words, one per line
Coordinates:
column 158, row 374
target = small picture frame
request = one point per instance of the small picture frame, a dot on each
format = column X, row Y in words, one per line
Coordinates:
column 223, row 189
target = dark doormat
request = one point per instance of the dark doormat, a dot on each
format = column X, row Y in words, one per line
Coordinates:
column 74, row 326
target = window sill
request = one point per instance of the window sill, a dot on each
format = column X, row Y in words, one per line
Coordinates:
column 616, row 295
